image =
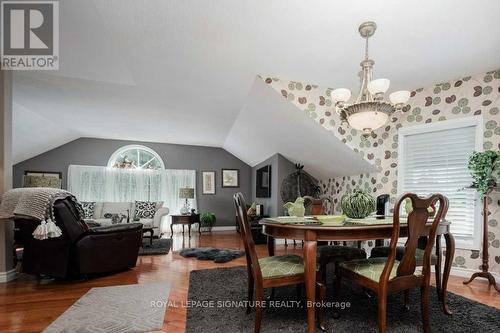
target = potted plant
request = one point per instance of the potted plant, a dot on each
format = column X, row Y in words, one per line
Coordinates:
column 208, row 220
column 481, row 167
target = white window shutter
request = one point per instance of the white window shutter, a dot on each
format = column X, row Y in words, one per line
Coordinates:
column 436, row 161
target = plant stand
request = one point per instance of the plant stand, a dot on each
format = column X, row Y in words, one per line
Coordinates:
column 485, row 266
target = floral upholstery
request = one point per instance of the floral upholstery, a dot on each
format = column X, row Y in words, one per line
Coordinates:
column 280, row 266
column 383, row 251
column 370, row 268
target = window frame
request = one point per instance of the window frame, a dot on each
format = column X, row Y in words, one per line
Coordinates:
column 474, row 243
column 120, row 150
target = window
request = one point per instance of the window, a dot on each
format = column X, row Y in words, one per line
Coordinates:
column 434, row 158
column 136, row 157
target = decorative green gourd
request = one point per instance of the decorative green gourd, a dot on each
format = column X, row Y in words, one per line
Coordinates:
column 358, row 204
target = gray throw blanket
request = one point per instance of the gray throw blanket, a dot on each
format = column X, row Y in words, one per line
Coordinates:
column 36, row 203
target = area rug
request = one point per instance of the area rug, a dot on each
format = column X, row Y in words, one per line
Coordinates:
column 209, row 253
column 123, row 309
column 160, row 246
column 217, row 299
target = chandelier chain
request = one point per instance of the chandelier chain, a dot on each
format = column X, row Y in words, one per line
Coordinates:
column 366, row 48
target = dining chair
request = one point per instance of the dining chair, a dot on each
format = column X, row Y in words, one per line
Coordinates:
column 270, row 272
column 388, row 275
column 383, row 251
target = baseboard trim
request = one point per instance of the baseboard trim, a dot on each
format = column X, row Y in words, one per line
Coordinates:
column 466, row 273
column 7, row 276
column 224, row 228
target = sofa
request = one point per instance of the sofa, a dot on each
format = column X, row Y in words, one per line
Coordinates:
column 80, row 250
column 101, row 211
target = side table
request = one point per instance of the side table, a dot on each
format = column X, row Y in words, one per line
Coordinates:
column 185, row 220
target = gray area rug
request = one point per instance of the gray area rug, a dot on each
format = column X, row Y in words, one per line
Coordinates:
column 229, row 284
column 160, row 246
column 210, row 253
column 118, row 309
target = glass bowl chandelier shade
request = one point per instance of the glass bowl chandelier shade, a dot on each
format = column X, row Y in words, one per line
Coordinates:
column 379, row 86
column 369, row 110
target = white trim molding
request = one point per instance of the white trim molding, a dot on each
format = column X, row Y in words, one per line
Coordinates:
column 8, row 276
column 223, row 228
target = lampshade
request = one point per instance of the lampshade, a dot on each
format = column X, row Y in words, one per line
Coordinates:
column 367, row 120
column 340, row 95
column 399, row 97
column 186, row 193
column 378, row 86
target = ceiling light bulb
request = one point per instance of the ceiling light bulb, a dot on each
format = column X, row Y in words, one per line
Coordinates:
column 378, row 86
column 399, row 97
column 340, row 95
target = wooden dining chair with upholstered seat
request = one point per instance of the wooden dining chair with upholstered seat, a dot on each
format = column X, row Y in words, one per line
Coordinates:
column 387, row 275
column 270, row 272
column 383, row 251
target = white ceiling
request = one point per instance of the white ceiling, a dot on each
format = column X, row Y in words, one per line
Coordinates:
column 180, row 71
column 255, row 136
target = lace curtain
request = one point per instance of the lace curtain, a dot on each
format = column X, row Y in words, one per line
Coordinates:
column 95, row 183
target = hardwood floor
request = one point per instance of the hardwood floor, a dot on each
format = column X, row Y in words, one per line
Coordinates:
column 27, row 305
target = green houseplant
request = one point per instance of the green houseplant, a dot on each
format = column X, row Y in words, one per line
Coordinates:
column 208, row 220
column 482, row 166
column 358, row 204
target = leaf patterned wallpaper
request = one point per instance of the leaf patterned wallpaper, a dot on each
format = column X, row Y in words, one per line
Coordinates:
column 466, row 97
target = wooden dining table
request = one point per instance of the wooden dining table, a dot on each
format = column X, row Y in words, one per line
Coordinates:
column 312, row 233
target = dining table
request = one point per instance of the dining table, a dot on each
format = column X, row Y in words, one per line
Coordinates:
column 310, row 232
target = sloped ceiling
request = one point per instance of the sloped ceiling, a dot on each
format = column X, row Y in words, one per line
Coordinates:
column 268, row 123
column 180, row 71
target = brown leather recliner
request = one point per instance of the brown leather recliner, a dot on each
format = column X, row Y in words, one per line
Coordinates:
column 80, row 250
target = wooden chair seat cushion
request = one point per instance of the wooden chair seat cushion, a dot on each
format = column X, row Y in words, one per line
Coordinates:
column 338, row 253
column 370, row 268
column 281, row 266
column 383, row 251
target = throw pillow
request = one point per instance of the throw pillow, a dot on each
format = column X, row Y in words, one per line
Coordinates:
column 115, row 218
column 145, row 209
column 88, row 209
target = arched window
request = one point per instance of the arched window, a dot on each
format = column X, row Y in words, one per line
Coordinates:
column 136, row 157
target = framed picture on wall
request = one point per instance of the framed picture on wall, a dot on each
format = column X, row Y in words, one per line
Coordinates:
column 42, row 179
column 230, row 178
column 208, row 182
column 263, row 183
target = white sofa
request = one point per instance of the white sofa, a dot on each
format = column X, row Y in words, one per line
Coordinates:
column 128, row 209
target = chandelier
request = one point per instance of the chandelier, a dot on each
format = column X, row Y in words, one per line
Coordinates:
column 370, row 110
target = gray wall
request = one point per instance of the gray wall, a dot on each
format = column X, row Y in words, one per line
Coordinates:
column 280, row 168
column 89, row 151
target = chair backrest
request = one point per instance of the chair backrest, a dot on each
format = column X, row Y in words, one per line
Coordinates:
column 417, row 220
column 246, row 235
column 318, row 205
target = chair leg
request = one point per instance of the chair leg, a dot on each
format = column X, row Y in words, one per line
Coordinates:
column 337, row 282
column 424, row 302
column 321, row 298
column 298, row 291
column 382, row 313
column 407, row 300
column 250, row 292
column 259, row 299
column 273, row 293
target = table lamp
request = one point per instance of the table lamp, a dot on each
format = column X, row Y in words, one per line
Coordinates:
column 186, row 193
